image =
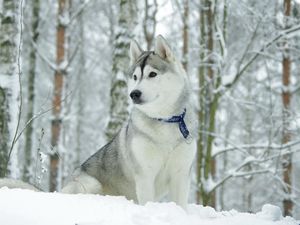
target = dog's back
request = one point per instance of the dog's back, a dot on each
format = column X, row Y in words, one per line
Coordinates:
column 108, row 167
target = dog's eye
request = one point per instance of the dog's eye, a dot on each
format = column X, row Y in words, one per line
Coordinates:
column 134, row 77
column 152, row 74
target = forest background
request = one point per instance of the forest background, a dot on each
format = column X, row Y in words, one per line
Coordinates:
column 63, row 90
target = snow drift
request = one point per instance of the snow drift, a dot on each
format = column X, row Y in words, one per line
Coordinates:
column 19, row 207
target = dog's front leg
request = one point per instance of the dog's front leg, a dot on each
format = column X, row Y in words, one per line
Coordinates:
column 148, row 162
column 180, row 167
column 145, row 189
column 179, row 188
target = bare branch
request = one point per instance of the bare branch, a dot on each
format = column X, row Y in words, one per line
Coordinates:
column 262, row 49
column 257, row 146
column 80, row 9
column 240, row 71
column 252, row 160
column 45, row 59
column 236, row 147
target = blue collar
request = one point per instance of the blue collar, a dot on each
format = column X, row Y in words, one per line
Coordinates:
column 180, row 120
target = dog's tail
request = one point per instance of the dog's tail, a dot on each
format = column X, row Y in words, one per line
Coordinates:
column 12, row 183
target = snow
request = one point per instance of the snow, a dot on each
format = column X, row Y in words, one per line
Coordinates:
column 64, row 19
column 229, row 78
column 280, row 18
column 261, row 74
column 18, row 207
column 270, row 212
column 295, row 123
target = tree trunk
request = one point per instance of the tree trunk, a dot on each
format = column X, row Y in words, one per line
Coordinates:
column 118, row 92
column 80, row 97
column 227, row 129
column 31, row 80
column 8, row 32
column 201, row 117
column 185, row 35
column 149, row 23
column 286, row 99
column 209, row 168
column 209, row 81
column 4, row 132
column 57, row 95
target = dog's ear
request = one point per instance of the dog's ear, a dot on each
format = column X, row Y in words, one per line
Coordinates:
column 163, row 49
column 134, row 52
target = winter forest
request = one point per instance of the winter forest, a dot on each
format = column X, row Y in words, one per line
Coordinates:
column 63, row 94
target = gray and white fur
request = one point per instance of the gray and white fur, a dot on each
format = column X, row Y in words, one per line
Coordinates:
column 148, row 158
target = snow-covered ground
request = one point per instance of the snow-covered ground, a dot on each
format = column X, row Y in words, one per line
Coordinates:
column 24, row 207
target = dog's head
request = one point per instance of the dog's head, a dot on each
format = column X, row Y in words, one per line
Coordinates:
column 156, row 79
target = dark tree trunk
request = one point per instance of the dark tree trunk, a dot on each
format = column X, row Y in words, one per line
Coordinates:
column 286, row 99
column 31, row 88
column 57, row 95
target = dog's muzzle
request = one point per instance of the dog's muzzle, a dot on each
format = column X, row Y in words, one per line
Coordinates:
column 135, row 95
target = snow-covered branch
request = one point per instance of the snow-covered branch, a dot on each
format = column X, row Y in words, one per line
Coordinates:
column 44, row 58
column 236, row 173
column 281, row 35
column 256, row 146
column 80, row 9
column 251, row 160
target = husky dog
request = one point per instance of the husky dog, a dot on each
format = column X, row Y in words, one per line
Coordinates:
column 153, row 153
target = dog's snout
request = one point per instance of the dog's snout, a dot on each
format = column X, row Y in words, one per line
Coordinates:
column 135, row 95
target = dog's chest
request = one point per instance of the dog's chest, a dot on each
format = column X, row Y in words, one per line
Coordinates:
column 161, row 133
column 155, row 146
column 154, row 142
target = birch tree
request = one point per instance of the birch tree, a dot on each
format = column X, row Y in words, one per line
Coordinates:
column 123, row 35
column 8, row 80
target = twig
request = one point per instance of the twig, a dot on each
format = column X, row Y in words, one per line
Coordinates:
column 240, row 71
column 18, row 135
column 257, row 146
column 30, row 121
column 37, row 153
column 247, row 162
column 224, row 139
column 47, row 61
column 262, row 49
column 79, row 11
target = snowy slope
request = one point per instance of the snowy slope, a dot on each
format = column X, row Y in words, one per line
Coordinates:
column 24, row 207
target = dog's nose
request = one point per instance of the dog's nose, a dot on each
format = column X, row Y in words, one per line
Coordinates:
column 135, row 95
